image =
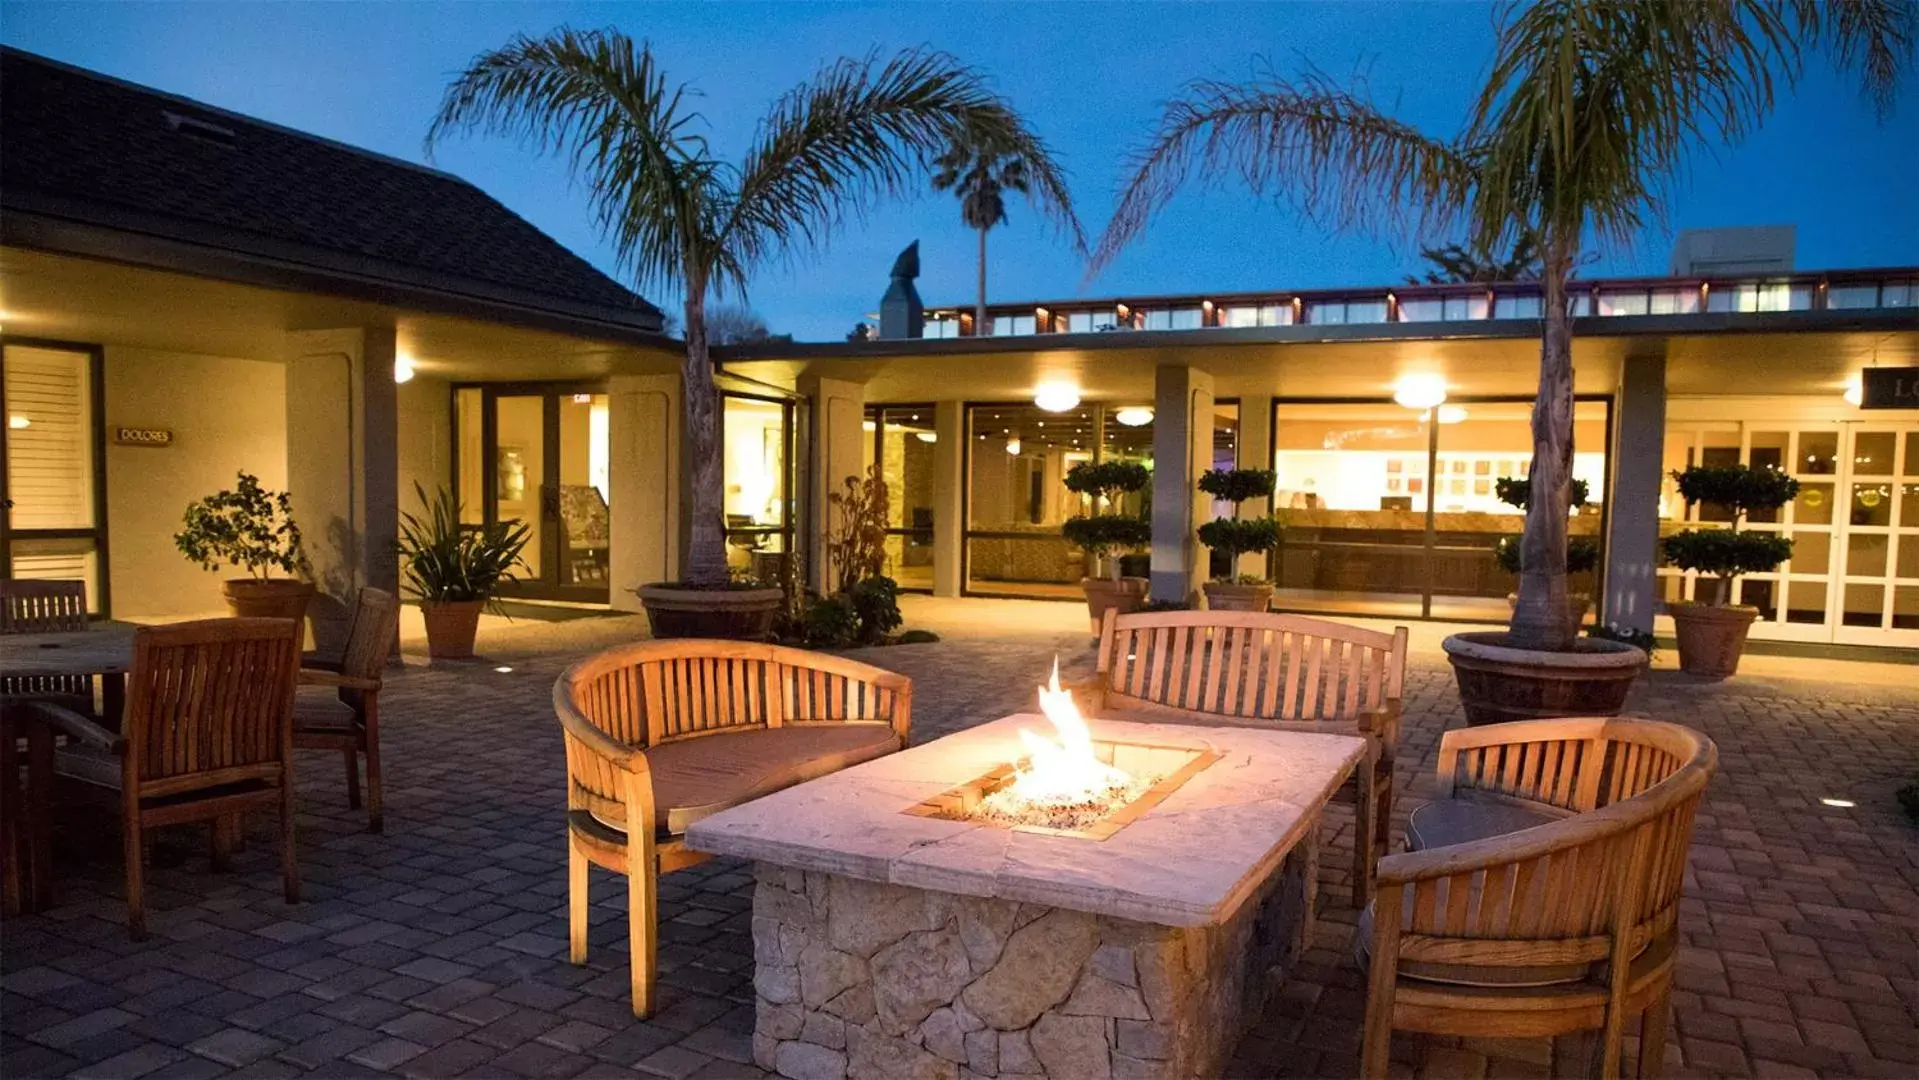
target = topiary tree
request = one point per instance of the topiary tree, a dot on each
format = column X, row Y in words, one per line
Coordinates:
column 1727, row 553
column 1235, row 536
column 1099, row 534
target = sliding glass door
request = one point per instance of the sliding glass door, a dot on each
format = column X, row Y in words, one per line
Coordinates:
column 538, row 454
column 52, row 484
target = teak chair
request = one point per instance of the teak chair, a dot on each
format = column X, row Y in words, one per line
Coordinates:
column 1563, row 927
column 1269, row 671
column 32, row 606
column 208, row 735
column 353, row 725
column 662, row 733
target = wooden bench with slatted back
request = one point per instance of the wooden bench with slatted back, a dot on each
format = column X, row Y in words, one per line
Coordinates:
column 1271, row 671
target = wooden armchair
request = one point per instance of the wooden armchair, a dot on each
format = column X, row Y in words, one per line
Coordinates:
column 1562, row 927
column 208, row 735
column 351, row 725
column 1269, row 671
column 662, row 733
column 31, row 606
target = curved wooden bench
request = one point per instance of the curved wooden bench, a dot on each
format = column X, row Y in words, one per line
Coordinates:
column 662, row 733
column 1565, row 926
column 1258, row 669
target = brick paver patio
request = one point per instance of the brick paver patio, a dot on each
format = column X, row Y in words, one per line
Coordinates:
column 438, row 949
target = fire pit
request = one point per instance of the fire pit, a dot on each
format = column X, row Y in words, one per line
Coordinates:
column 907, row 924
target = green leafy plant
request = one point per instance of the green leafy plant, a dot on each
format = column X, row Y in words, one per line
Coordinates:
column 248, row 528
column 1103, row 533
column 918, row 637
column 1100, row 535
column 830, row 622
column 1107, row 477
column 1582, row 554
column 1516, row 492
column 1235, row 536
column 1727, row 553
column 877, row 603
column 443, row 561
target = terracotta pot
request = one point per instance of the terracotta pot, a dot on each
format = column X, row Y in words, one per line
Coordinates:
column 1223, row 597
column 1711, row 637
column 451, row 626
column 1107, row 594
column 1577, row 603
column 681, row 611
column 1498, row 682
column 272, row 598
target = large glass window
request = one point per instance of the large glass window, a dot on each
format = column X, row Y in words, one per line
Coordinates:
column 1389, row 511
column 51, row 520
column 757, row 478
column 1012, row 325
column 901, row 439
column 1017, row 460
column 1238, row 315
column 1087, row 322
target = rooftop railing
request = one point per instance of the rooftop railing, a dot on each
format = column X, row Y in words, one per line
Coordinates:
column 1443, row 304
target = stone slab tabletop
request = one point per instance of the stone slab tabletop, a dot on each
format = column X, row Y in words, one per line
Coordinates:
column 1189, row 861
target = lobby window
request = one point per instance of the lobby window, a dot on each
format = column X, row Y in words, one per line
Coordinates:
column 1013, row 325
column 901, row 439
column 1242, row 315
column 757, row 483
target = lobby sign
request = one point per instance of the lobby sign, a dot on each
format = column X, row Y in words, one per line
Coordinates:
column 142, row 436
column 1889, row 388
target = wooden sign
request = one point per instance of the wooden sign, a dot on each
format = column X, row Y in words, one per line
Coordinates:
column 1889, row 388
column 142, row 436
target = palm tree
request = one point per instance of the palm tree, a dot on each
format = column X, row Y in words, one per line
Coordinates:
column 1587, row 114
column 681, row 218
column 980, row 172
column 1462, row 264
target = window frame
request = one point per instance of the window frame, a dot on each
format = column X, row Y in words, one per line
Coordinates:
column 101, row 599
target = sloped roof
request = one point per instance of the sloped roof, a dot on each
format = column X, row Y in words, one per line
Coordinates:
column 80, row 146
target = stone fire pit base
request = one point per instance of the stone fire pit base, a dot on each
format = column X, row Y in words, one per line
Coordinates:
column 865, row 980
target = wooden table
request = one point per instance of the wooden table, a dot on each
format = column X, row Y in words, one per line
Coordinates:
column 105, row 652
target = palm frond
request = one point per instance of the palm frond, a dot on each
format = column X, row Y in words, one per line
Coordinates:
column 1875, row 36
column 1339, row 159
column 602, row 102
column 857, row 131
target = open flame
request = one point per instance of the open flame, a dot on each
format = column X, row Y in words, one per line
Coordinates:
column 1064, row 783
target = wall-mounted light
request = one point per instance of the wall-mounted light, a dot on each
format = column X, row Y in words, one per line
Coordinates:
column 927, row 436
column 1855, row 391
column 1420, row 390
column 18, row 422
column 402, row 369
column 1056, row 397
column 1012, row 446
column 1134, row 416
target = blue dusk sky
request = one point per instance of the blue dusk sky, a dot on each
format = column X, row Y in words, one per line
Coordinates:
column 1091, row 77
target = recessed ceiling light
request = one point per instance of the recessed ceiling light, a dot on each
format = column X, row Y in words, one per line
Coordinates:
column 1843, row 804
column 1057, row 397
column 1134, row 416
column 1012, row 446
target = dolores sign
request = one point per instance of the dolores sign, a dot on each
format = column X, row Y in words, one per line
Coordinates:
column 1889, row 388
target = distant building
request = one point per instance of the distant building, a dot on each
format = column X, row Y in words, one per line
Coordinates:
column 1753, row 249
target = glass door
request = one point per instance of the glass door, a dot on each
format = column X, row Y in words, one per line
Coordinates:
column 1878, row 600
column 52, row 488
column 538, row 455
column 758, row 466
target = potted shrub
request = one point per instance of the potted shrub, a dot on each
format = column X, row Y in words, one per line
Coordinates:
column 250, row 529
column 1712, row 634
column 1582, row 552
column 455, row 570
column 1574, row 140
column 692, row 224
column 1105, row 537
column 1235, row 536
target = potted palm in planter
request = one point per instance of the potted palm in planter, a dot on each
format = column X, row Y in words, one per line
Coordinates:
column 455, row 570
column 1712, row 634
column 252, row 529
column 1582, row 552
column 690, row 223
column 1106, row 537
column 1235, row 536
column 1577, row 133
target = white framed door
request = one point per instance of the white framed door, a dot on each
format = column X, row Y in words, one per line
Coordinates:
column 1875, row 600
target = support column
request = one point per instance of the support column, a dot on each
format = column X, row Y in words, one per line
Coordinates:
column 1255, row 451
column 839, row 452
column 643, row 475
column 1638, row 463
column 949, row 484
column 1182, row 449
column 343, row 465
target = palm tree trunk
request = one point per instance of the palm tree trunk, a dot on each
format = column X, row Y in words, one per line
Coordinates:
column 979, row 310
column 706, row 555
column 1540, row 618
